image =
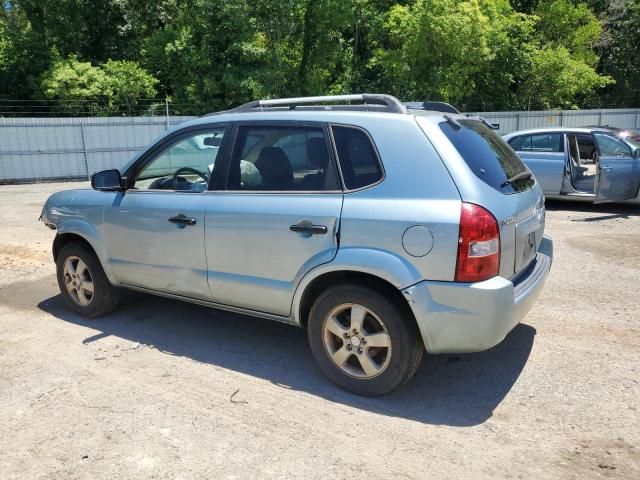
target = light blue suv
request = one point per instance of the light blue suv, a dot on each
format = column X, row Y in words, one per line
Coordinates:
column 383, row 231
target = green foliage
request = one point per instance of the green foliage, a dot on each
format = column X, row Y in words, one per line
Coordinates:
column 572, row 26
column 212, row 54
column 619, row 52
column 557, row 79
column 116, row 87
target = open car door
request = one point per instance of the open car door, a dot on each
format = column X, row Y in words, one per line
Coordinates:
column 618, row 170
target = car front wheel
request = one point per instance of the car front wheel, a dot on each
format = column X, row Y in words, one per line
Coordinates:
column 83, row 283
column 362, row 340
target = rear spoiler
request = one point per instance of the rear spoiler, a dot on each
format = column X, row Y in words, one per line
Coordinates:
column 433, row 106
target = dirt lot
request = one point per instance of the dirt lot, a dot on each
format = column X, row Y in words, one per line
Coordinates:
column 148, row 392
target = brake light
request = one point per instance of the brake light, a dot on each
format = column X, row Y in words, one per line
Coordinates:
column 478, row 245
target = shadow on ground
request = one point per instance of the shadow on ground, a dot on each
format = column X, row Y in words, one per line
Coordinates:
column 461, row 390
column 606, row 211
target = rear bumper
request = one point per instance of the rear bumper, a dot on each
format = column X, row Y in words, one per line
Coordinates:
column 471, row 317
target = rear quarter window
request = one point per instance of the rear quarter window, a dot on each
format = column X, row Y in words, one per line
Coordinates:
column 357, row 156
column 487, row 155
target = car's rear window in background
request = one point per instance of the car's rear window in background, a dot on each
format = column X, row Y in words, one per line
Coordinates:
column 357, row 156
column 488, row 156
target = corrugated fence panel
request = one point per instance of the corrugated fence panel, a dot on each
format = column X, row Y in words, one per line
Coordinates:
column 34, row 149
column 514, row 121
column 56, row 148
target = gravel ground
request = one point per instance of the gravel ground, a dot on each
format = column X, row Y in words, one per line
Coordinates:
column 162, row 389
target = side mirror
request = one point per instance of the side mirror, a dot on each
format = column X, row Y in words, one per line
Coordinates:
column 636, row 153
column 107, row 180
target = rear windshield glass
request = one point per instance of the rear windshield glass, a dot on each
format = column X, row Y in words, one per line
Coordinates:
column 488, row 156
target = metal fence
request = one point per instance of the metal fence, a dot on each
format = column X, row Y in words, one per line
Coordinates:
column 514, row 121
column 35, row 149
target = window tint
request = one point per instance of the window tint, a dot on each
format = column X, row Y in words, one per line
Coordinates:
column 542, row 142
column 282, row 159
column 186, row 165
column 488, row 156
column 612, row 147
column 357, row 156
column 520, row 143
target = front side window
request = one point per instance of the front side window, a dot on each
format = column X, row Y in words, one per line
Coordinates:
column 612, row 147
column 185, row 165
column 487, row 155
column 282, row 158
column 357, row 156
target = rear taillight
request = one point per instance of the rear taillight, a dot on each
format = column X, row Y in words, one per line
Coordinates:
column 478, row 245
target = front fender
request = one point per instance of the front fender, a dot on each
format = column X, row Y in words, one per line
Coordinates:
column 90, row 233
column 380, row 263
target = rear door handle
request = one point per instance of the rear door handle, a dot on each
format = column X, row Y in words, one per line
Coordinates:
column 182, row 220
column 305, row 226
column 607, row 169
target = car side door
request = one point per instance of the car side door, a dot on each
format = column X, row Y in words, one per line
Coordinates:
column 544, row 154
column 277, row 218
column 155, row 229
column 618, row 170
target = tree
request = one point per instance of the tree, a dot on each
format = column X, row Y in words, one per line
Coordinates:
column 619, row 56
column 557, row 80
column 82, row 88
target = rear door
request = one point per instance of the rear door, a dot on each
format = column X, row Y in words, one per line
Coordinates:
column 277, row 218
column 544, row 154
column 618, row 170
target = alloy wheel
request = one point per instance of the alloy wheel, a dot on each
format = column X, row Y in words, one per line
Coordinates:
column 78, row 281
column 357, row 340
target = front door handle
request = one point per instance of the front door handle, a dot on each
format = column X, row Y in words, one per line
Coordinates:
column 305, row 226
column 182, row 220
column 607, row 169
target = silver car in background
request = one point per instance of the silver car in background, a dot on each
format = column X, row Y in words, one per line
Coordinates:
column 593, row 164
column 381, row 230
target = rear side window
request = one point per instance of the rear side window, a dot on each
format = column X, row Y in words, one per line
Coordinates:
column 282, row 158
column 541, row 142
column 357, row 156
column 488, row 156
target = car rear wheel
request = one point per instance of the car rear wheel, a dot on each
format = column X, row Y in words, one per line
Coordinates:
column 83, row 283
column 362, row 340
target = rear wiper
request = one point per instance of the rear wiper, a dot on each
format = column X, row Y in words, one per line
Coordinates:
column 453, row 122
column 526, row 175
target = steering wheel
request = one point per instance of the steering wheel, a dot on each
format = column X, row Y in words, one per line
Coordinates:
column 181, row 170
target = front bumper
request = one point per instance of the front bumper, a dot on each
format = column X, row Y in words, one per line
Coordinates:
column 471, row 317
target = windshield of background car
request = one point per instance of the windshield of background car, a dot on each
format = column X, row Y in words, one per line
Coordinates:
column 487, row 155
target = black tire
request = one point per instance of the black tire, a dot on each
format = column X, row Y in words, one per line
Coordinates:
column 406, row 343
column 105, row 297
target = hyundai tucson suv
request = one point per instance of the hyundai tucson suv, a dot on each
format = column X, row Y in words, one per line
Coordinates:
column 381, row 230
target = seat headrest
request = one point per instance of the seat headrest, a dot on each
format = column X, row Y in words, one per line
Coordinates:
column 317, row 152
column 274, row 168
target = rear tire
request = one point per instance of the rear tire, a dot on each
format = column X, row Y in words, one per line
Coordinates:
column 83, row 283
column 364, row 341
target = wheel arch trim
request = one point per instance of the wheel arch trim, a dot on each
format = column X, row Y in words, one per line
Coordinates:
column 87, row 232
column 381, row 264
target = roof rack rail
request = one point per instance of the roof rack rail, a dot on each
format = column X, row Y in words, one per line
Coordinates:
column 382, row 102
column 434, row 106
